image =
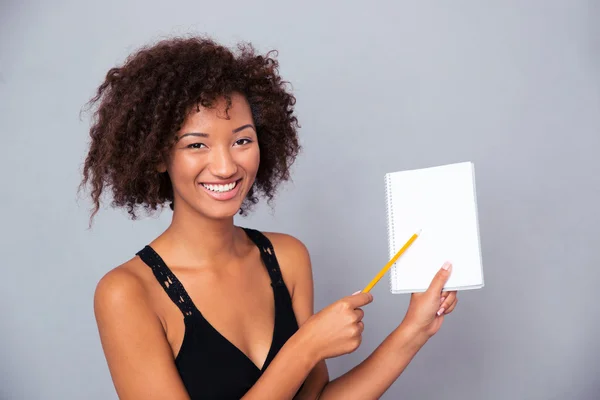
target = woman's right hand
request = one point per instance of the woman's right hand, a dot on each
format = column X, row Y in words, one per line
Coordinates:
column 336, row 329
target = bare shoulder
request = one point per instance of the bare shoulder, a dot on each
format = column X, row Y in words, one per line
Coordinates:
column 291, row 252
column 287, row 245
column 120, row 288
column 294, row 259
column 139, row 357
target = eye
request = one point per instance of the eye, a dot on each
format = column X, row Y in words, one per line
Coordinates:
column 241, row 142
column 195, row 145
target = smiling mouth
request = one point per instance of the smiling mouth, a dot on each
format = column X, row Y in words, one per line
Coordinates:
column 218, row 188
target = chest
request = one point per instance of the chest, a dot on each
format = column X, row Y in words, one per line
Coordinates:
column 237, row 301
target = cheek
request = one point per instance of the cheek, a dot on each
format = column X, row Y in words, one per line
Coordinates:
column 184, row 167
column 252, row 160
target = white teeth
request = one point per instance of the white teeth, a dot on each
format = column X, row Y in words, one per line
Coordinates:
column 220, row 188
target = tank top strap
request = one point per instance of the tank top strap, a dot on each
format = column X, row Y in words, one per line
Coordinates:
column 168, row 281
column 267, row 253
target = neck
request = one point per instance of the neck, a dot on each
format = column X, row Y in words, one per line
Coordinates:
column 195, row 240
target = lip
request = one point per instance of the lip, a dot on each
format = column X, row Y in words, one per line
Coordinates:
column 225, row 195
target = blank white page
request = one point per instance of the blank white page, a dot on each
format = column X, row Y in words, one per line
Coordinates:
column 440, row 201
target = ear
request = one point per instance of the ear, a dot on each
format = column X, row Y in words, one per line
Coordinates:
column 162, row 165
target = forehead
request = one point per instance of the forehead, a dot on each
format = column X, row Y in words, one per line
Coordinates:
column 218, row 116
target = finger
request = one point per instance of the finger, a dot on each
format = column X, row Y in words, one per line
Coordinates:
column 451, row 307
column 440, row 279
column 448, row 300
column 361, row 327
column 444, row 296
column 360, row 299
column 359, row 314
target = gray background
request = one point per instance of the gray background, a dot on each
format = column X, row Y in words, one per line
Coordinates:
column 513, row 86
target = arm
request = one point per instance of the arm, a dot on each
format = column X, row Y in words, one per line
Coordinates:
column 371, row 378
column 285, row 374
column 138, row 354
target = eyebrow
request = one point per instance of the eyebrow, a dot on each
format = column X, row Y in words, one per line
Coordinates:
column 205, row 135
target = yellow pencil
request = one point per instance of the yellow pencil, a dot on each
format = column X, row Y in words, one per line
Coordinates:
column 390, row 263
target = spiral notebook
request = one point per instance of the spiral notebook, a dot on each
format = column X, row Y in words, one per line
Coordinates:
column 441, row 202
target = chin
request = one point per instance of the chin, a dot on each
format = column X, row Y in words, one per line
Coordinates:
column 220, row 213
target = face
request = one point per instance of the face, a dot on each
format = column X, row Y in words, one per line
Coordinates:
column 214, row 160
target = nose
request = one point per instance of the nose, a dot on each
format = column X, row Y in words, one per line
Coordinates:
column 222, row 164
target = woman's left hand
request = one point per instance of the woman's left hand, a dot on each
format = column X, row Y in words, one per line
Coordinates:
column 426, row 310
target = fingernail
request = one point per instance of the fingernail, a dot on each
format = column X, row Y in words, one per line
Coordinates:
column 357, row 292
column 446, row 266
column 442, row 300
column 440, row 311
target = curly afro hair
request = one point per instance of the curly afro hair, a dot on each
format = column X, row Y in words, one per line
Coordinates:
column 143, row 103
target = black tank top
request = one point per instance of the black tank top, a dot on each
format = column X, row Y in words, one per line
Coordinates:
column 210, row 366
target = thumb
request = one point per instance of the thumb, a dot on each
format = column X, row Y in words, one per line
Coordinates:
column 360, row 299
column 440, row 279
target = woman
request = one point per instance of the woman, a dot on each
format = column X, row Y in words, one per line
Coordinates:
column 206, row 307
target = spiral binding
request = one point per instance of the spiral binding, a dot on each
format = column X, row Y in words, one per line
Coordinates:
column 390, row 226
